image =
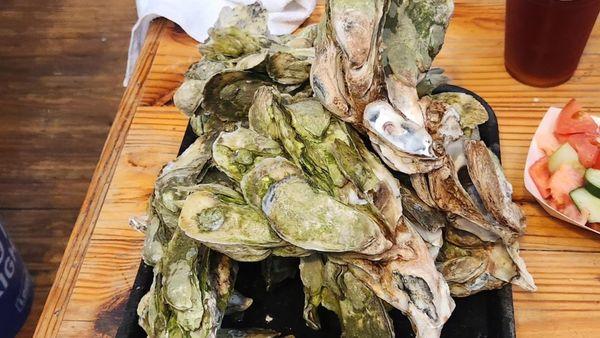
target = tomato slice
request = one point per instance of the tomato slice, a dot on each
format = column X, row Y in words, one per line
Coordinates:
column 597, row 164
column 540, row 174
column 563, row 181
column 587, row 147
column 547, row 142
column 573, row 120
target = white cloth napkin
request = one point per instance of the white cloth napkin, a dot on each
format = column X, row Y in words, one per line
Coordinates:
column 197, row 16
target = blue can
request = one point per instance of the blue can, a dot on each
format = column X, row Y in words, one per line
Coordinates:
column 16, row 288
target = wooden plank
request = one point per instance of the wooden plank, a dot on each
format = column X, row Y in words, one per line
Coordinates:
column 564, row 260
column 82, row 231
column 566, row 302
column 61, row 69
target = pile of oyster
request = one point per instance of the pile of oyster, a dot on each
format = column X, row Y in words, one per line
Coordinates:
column 283, row 167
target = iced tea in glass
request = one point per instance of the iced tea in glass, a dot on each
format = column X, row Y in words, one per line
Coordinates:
column 545, row 38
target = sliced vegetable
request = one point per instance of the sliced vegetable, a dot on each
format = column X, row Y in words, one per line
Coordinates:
column 563, row 181
column 587, row 202
column 587, row 148
column 571, row 211
column 566, row 154
column 540, row 174
column 597, row 164
column 592, row 181
column 573, row 120
column 547, row 142
column 562, row 138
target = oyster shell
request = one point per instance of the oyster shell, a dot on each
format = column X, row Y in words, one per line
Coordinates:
column 360, row 312
column 256, row 183
column 229, row 94
column 311, row 274
column 420, row 184
column 413, row 34
column 428, row 221
column 239, row 31
column 190, row 291
column 220, row 218
column 471, row 112
column 434, row 78
column 313, row 220
column 346, row 74
column 290, row 67
column 450, row 196
column 188, row 96
column 238, row 303
column 236, row 152
column 305, row 37
column 410, row 283
column 252, row 18
column 488, row 266
column 493, row 187
column 153, row 311
column 403, row 134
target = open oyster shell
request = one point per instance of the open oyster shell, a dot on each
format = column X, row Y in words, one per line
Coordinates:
column 408, row 281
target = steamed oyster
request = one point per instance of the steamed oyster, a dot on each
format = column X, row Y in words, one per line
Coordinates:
column 409, row 282
column 189, row 293
column 402, row 144
column 480, row 251
column 413, row 34
column 349, row 78
column 236, row 152
column 346, row 74
column 360, row 311
column 239, row 56
column 220, row 218
column 311, row 274
column 313, row 220
column 294, row 181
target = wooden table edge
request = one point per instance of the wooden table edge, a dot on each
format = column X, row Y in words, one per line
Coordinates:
column 66, row 276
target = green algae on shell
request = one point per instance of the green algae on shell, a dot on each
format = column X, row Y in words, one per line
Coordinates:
column 236, row 152
column 219, row 215
column 313, row 220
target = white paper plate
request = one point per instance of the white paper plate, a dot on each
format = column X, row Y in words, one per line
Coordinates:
column 534, row 154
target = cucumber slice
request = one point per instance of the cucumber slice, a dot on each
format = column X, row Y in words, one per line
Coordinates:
column 586, row 201
column 592, row 181
column 565, row 154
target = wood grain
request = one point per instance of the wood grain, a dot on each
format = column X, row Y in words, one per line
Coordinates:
column 563, row 259
column 76, row 248
column 61, row 68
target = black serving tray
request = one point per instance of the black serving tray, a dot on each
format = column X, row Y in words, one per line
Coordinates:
column 486, row 314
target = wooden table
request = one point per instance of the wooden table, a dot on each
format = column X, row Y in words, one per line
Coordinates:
column 100, row 263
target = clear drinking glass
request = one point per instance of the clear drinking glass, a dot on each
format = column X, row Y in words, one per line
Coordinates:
column 545, row 38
